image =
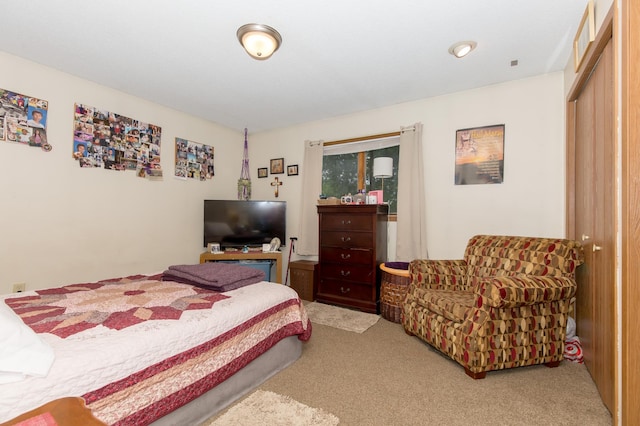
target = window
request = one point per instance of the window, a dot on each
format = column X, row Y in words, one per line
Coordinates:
column 348, row 167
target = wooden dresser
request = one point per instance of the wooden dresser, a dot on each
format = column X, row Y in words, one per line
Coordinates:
column 353, row 244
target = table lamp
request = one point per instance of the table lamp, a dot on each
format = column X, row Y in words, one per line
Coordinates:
column 382, row 168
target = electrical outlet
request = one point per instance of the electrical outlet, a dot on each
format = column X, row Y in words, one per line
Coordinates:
column 19, row 287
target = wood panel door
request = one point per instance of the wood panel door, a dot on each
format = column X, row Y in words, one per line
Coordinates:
column 630, row 206
column 584, row 110
column 595, row 223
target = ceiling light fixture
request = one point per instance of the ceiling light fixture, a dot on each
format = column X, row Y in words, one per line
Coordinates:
column 260, row 41
column 462, row 48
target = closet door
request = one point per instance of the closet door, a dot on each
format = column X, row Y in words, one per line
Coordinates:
column 584, row 221
column 595, row 223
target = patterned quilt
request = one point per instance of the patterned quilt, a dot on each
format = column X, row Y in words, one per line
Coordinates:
column 137, row 348
column 116, row 304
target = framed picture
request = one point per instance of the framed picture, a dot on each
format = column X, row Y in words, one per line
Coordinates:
column 480, row 155
column 292, row 170
column 262, row 172
column 585, row 36
column 277, row 166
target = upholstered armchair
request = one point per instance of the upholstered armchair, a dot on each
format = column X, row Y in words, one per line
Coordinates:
column 504, row 305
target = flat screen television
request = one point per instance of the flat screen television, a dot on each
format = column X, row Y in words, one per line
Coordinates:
column 238, row 223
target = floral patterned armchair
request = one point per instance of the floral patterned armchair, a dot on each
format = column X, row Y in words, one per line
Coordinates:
column 504, row 305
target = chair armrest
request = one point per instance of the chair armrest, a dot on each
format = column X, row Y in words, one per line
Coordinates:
column 512, row 291
column 438, row 274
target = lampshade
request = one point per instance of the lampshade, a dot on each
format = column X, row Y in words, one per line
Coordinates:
column 462, row 48
column 260, row 41
column 382, row 167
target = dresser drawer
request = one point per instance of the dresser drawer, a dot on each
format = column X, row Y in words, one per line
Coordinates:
column 350, row 255
column 353, row 222
column 347, row 239
column 349, row 272
column 346, row 290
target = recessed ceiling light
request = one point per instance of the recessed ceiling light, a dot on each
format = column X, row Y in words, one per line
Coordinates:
column 462, row 48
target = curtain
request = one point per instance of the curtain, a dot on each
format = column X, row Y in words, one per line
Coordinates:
column 308, row 242
column 411, row 242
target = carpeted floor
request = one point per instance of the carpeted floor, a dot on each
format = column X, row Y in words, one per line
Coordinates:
column 385, row 377
column 269, row 408
column 342, row 318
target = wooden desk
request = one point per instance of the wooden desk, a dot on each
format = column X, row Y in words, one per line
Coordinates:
column 252, row 255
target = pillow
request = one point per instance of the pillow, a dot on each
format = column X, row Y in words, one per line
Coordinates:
column 23, row 352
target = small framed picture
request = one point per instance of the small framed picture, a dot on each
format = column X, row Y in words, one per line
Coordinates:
column 262, row 172
column 277, row 166
column 292, row 170
column 584, row 37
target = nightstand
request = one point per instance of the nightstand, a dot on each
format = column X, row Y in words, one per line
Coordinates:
column 303, row 278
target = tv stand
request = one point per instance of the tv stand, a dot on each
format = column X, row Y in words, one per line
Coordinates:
column 252, row 255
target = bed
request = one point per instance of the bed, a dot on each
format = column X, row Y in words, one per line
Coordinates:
column 140, row 350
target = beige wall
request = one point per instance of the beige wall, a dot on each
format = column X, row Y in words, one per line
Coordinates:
column 529, row 202
column 61, row 224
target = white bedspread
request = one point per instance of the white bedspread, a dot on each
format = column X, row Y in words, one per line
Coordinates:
column 96, row 357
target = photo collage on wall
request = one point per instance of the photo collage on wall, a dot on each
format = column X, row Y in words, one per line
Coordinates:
column 115, row 142
column 193, row 160
column 23, row 119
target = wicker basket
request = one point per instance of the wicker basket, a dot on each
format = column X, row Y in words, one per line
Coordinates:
column 393, row 289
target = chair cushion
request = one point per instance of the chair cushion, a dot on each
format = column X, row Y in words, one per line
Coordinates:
column 451, row 304
column 488, row 255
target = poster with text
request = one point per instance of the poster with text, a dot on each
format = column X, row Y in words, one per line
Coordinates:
column 480, row 155
column 23, row 120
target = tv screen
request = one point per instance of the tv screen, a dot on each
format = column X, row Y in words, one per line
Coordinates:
column 237, row 223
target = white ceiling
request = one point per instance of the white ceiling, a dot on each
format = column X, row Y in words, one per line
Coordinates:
column 337, row 56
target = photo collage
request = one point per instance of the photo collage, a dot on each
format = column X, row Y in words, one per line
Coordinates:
column 193, row 160
column 23, row 120
column 115, row 142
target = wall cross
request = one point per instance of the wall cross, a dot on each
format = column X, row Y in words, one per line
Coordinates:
column 277, row 184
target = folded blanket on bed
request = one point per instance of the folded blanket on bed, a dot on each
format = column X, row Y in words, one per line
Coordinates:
column 214, row 276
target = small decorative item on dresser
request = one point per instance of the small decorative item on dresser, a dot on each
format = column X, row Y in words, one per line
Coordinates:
column 346, row 199
column 360, row 197
column 376, row 197
column 329, row 201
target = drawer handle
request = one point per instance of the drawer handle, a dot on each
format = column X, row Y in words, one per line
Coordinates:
column 345, row 291
column 346, row 222
column 345, row 239
column 345, row 273
column 345, row 256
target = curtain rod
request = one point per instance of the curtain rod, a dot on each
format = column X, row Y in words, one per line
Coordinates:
column 363, row 138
